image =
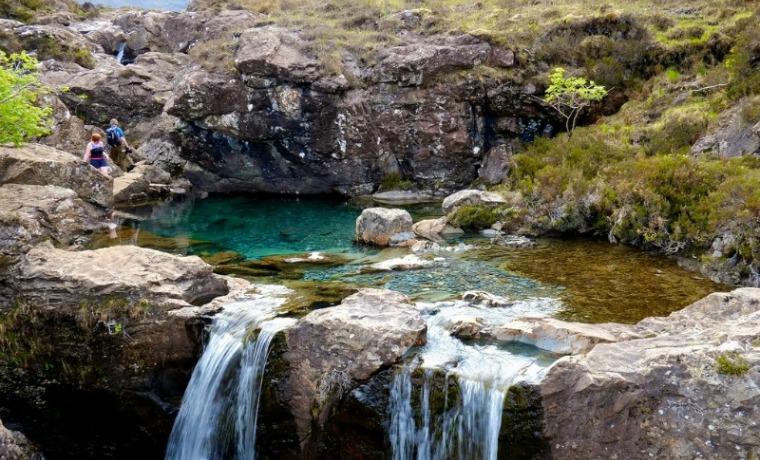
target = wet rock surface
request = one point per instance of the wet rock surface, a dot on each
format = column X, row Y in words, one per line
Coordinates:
column 560, row 336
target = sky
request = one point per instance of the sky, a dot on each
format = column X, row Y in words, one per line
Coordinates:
column 174, row 5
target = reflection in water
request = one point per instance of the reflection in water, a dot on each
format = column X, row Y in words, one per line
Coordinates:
column 595, row 281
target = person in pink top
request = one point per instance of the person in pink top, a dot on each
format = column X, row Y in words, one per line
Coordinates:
column 95, row 154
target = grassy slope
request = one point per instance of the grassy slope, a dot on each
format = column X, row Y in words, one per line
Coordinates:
column 28, row 10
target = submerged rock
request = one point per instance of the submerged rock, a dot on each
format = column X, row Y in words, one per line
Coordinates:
column 513, row 241
column 379, row 225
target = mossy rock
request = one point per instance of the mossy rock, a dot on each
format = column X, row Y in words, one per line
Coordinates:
column 522, row 425
column 276, row 427
column 284, row 267
column 444, row 391
column 312, row 295
column 222, row 258
column 145, row 239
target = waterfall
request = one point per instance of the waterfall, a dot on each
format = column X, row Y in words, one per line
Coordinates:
column 217, row 418
column 468, row 430
column 120, row 52
column 478, row 431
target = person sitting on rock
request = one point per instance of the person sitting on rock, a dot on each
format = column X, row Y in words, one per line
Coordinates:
column 95, row 154
column 118, row 143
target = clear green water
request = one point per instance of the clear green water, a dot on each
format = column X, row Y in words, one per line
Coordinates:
column 252, row 226
column 594, row 280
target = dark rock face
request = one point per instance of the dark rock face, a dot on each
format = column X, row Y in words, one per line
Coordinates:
column 259, row 115
column 81, row 392
column 15, row 446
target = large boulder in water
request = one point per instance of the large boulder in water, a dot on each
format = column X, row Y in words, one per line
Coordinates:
column 37, row 164
column 379, row 225
column 436, row 229
column 472, row 198
column 665, row 395
column 333, row 349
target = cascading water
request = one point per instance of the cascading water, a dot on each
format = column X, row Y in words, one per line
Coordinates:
column 120, row 52
column 467, row 430
column 466, row 425
column 217, row 418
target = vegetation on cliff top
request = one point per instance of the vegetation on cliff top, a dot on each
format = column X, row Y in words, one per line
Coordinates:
column 636, row 177
column 28, row 10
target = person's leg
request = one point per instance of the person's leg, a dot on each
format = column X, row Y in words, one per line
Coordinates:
column 119, row 157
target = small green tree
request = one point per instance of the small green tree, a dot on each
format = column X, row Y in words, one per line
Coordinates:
column 20, row 118
column 569, row 96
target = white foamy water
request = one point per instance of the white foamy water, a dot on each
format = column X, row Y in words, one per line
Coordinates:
column 470, row 428
column 219, row 410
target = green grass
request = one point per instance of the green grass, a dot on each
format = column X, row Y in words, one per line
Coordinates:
column 558, row 31
column 731, row 364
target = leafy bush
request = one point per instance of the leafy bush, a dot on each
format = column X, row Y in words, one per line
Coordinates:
column 20, row 118
column 472, row 217
column 569, row 96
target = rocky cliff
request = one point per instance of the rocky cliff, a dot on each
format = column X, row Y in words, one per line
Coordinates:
column 237, row 105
